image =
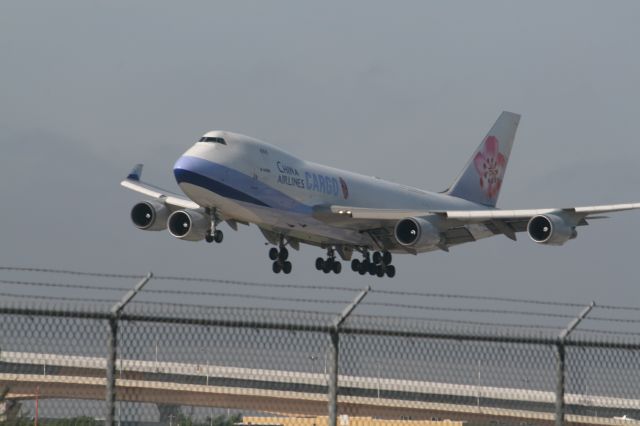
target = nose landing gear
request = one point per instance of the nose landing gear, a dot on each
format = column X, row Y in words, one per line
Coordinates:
column 216, row 236
column 213, row 234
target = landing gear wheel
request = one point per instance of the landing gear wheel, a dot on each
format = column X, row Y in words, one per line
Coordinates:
column 208, row 238
column 327, row 267
column 391, row 271
column 363, row 268
column 380, row 271
column 377, row 257
column 355, row 265
column 284, row 254
column 386, row 258
column 373, row 269
column 218, row 236
column 319, row 264
column 337, row 267
column 286, row 267
column 277, row 267
column 273, row 253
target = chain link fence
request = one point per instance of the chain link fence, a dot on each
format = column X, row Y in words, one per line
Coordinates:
column 66, row 359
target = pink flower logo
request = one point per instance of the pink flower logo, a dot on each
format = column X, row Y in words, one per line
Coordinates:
column 490, row 164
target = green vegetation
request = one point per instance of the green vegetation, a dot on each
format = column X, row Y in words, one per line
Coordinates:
column 222, row 420
column 23, row 420
column 76, row 421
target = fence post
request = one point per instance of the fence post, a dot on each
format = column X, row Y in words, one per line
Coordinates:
column 561, row 362
column 112, row 348
column 333, row 377
column 560, row 376
column 335, row 352
column 111, row 369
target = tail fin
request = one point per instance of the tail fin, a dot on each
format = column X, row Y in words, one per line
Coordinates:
column 481, row 179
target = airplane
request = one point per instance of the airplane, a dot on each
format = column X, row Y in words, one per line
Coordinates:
column 235, row 179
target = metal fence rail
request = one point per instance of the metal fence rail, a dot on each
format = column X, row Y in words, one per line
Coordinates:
column 133, row 361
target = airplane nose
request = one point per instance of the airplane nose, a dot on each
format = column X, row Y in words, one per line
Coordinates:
column 181, row 168
column 188, row 167
column 196, row 161
column 185, row 162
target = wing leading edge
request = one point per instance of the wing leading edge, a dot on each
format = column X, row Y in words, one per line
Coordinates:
column 457, row 226
column 474, row 216
column 173, row 201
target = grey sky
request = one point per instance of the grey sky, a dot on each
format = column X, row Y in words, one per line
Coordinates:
column 401, row 90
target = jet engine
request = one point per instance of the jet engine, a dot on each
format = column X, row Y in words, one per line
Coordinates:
column 150, row 216
column 417, row 233
column 188, row 225
column 550, row 229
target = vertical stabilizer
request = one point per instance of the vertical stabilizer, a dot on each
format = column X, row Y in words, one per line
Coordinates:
column 481, row 179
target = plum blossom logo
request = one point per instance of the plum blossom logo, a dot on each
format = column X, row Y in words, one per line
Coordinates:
column 490, row 164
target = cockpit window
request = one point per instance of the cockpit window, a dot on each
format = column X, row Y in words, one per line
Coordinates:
column 212, row 139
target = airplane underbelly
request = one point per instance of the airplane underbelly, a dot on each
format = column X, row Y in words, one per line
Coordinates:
column 207, row 198
column 303, row 226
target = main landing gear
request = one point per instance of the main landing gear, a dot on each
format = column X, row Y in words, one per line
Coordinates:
column 330, row 264
column 213, row 234
column 279, row 257
column 379, row 264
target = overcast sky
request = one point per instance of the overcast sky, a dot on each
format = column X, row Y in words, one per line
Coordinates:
column 401, row 90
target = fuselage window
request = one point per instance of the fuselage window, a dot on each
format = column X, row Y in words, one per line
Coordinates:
column 211, row 139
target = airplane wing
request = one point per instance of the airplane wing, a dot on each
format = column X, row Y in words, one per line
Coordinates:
column 476, row 216
column 457, row 226
column 173, row 201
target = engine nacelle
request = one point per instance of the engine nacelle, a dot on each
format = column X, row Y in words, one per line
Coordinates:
column 188, row 225
column 550, row 229
column 417, row 233
column 150, row 216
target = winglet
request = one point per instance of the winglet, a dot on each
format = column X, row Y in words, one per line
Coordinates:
column 135, row 173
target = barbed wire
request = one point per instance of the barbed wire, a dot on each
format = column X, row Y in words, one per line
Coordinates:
column 59, row 298
column 621, row 320
column 177, row 292
column 489, row 298
column 69, row 272
column 254, row 284
column 307, row 287
column 254, row 296
column 618, row 308
column 279, row 298
column 477, row 310
column 63, row 285
column 607, row 332
column 209, row 308
column 465, row 322
column 178, row 278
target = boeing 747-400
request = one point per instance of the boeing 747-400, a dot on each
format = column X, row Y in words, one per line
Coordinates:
column 236, row 179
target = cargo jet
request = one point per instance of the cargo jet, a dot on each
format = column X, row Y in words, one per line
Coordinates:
column 236, row 179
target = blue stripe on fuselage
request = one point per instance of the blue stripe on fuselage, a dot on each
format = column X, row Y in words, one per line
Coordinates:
column 230, row 183
column 221, row 189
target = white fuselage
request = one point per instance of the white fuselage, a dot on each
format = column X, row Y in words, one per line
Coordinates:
column 256, row 182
